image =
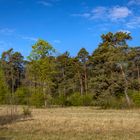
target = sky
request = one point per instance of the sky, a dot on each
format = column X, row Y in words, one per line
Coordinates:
column 67, row 25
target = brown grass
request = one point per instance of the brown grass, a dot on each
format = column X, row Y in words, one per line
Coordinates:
column 81, row 123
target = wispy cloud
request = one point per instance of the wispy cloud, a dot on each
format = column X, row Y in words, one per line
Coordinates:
column 105, row 13
column 6, row 31
column 47, row 3
column 133, row 23
column 109, row 15
column 119, row 13
column 57, row 41
column 98, row 12
column 12, row 33
column 133, row 2
column 28, row 38
column 44, row 3
column 85, row 15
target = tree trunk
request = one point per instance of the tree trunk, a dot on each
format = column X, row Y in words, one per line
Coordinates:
column 138, row 74
column 12, row 100
column 64, row 89
column 81, row 83
column 44, row 92
column 126, row 86
column 85, row 75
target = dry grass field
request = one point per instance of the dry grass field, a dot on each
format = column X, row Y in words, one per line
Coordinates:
column 81, row 123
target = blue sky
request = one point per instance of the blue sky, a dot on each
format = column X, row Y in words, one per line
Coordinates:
column 66, row 24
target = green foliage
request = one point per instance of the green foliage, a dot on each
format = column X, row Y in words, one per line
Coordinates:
column 49, row 100
column 135, row 96
column 48, row 79
column 41, row 70
column 3, row 88
column 116, row 39
column 83, row 55
column 87, row 100
column 13, row 68
column 76, row 99
column 37, row 98
column 107, row 101
column 22, row 96
column 61, row 100
column 41, row 49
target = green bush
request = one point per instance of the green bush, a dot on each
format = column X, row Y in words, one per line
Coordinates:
column 3, row 95
column 107, row 101
column 61, row 100
column 75, row 99
column 3, row 89
column 49, row 100
column 37, row 99
column 22, row 96
column 135, row 96
column 87, row 100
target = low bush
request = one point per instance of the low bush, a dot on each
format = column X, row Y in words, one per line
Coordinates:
column 107, row 101
column 61, row 100
column 135, row 96
column 22, row 96
column 87, row 100
column 75, row 99
column 37, row 99
column 26, row 112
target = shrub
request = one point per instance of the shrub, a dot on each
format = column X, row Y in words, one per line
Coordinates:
column 26, row 112
column 22, row 96
column 61, row 100
column 3, row 95
column 37, row 99
column 108, row 101
column 87, row 100
column 49, row 100
column 135, row 96
column 3, row 89
column 76, row 99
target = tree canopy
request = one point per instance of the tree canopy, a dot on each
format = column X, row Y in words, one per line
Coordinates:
column 110, row 76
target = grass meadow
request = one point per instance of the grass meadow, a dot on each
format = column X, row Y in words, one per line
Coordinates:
column 74, row 123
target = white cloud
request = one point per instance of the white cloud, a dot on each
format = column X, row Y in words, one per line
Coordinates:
column 57, row 41
column 45, row 3
column 6, row 31
column 119, row 13
column 85, row 15
column 133, row 23
column 133, row 2
column 110, row 15
column 93, row 14
column 104, row 13
column 12, row 33
column 98, row 12
column 28, row 38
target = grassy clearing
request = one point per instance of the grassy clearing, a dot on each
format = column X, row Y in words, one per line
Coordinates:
column 81, row 123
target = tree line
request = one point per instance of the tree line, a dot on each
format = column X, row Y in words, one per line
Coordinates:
column 109, row 77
